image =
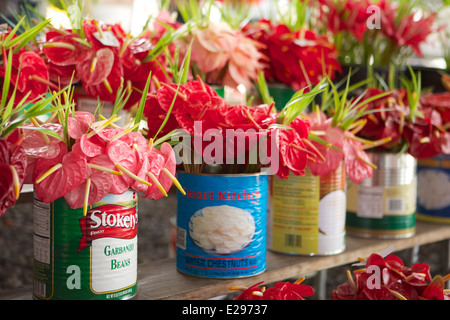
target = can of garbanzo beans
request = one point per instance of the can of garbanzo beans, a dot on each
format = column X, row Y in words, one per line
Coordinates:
column 86, row 257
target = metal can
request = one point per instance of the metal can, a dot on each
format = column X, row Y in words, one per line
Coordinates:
column 281, row 94
column 306, row 214
column 221, row 225
column 92, row 257
column 384, row 205
column 433, row 185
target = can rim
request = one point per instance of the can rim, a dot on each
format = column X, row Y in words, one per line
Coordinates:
column 226, row 174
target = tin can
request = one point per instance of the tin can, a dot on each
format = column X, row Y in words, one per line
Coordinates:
column 92, row 257
column 281, row 94
column 384, row 205
column 221, row 225
column 433, row 185
column 306, row 214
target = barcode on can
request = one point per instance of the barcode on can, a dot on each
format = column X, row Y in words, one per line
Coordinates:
column 181, row 238
column 395, row 205
column 293, row 240
column 39, row 288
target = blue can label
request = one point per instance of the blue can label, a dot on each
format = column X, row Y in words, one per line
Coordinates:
column 433, row 198
column 221, row 225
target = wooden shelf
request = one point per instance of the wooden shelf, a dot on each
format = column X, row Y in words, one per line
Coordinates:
column 160, row 280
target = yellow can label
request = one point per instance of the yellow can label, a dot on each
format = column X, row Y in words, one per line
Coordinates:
column 307, row 214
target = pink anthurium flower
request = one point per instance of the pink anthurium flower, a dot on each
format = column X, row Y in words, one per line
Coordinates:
column 56, row 177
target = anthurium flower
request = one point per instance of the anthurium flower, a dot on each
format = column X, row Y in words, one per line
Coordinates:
column 292, row 148
column 105, row 60
column 297, row 59
column 356, row 161
column 333, row 137
column 65, row 49
column 405, row 29
column 395, row 282
column 426, row 134
column 348, row 15
column 166, row 174
column 37, row 145
column 280, row 291
column 13, row 163
column 56, row 177
column 97, row 182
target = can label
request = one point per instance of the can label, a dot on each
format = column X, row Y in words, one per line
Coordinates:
column 221, row 225
column 306, row 214
column 86, row 257
column 433, row 184
column 381, row 211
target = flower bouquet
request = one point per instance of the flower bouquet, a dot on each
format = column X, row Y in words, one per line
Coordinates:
column 222, row 149
column 415, row 132
column 432, row 174
column 388, row 278
column 338, row 153
column 100, row 57
column 87, row 176
column 23, row 78
column 415, row 126
column 294, row 54
column 88, row 159
column 378, row 33
column 280, row 291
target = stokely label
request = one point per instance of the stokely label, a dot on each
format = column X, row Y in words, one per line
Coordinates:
column 105, row 221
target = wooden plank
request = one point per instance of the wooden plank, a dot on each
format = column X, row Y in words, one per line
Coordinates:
column 160, row 279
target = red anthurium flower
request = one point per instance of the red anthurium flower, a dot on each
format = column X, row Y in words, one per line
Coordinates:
column 348, row 15
column 435, row 290
column 101, row 75
column 293, row 151
column 406, row 31
column 357, row 162
column 280, row 291
column 120, row 153
column 79, row 123
column 65, row 50
column 297, row 59
column 334, row 137
column 68, row 171
column 13, row 163
column 98, row 181
column 102, row 35
column 63, row 75
column 397, row 282
column 155, row 116
column 426, row 132
column 251, row 293
column 29, row 75
column 43, row 146
column 166, row 174
column 439, row 102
